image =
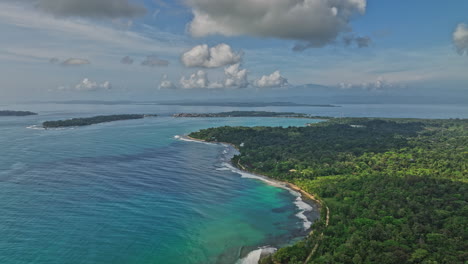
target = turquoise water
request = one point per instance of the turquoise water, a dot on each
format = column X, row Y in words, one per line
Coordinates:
column 129, row 192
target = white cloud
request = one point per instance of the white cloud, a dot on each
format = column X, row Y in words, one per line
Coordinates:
column 75, row 62
column 314, row 22
column 379, row 84
column 88, row 85
column 89, row 8
column 235, row 77
column 56, row 37
column 273, row 80
column 460, row 39
column 199, row 80
column 153, row 61
column 196, row 80
column 166, row 83
column 217, row 56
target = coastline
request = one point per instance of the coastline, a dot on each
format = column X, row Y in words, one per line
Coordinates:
column 241, row 167
column 309, row 198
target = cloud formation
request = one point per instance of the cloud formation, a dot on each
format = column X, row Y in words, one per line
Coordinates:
column 273, row 80
column 90, row 8
column 154, row 61
column 75, row 62
column 235, row 77
column 88, row 85
column 316, row 23
column 195, row 80
column 126, row 60
column 379, row 84
column 460, row 39
column 206, row 57
column 166, row 83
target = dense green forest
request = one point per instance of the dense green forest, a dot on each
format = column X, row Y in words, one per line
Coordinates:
column 396, row 189
column 16, row 113
column 90, row 120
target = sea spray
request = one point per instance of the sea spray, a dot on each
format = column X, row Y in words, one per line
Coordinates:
column 254, row 256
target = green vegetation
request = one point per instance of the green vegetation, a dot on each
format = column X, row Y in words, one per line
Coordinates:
column 90, row 120
column 396, row 189
column 244, row 114
column 16, row 113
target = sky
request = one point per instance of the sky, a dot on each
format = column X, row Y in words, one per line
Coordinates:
column 249, row 49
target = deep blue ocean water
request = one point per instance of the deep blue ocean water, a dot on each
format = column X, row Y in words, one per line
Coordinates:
column 130, row 192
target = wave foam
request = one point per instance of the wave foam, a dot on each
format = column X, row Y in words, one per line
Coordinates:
column 254, row 256
column 184, row 138
column 299, row 202
column 37, row 127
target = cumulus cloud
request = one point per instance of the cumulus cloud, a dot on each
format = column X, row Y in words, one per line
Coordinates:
column 75, row 62
column 154, row 61
column 235, row 77
column 166, row 83
column 460, row 39
column 126, row 60
column 217, row 56
column 88, row 85
column 273, row 80
column 89, row 8
column 313, row 22
column 379, row 84
column 196, row 80
column 199, row 80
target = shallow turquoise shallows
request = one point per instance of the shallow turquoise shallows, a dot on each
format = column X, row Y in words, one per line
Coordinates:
column 129, row 192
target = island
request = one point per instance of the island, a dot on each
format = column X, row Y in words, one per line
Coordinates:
column 91, row 120
column 246, row 104
column 16, row 113
column 245, row 114
column 389, row 190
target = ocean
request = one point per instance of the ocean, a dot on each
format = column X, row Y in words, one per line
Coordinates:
column 134, row 192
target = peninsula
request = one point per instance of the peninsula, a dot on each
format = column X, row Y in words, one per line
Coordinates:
column 390, row 190
column 91, row 120
column 16, row 113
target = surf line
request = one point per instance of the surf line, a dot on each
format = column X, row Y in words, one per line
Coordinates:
column 256, row 255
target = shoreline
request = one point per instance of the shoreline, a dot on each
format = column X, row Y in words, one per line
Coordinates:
column 289, row 185
column 309, row 198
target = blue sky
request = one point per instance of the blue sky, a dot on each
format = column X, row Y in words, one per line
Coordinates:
column 347, row 45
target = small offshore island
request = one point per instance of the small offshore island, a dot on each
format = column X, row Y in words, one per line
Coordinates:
column 16, row 113
column 390, row 190
column 92, row 120
column 245, row 114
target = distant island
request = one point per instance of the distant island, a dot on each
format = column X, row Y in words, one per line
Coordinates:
column 245, row 114
column 91, row 120
column 245, row 104
column 16, row 113
column 390, row 190
column 191, row 103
